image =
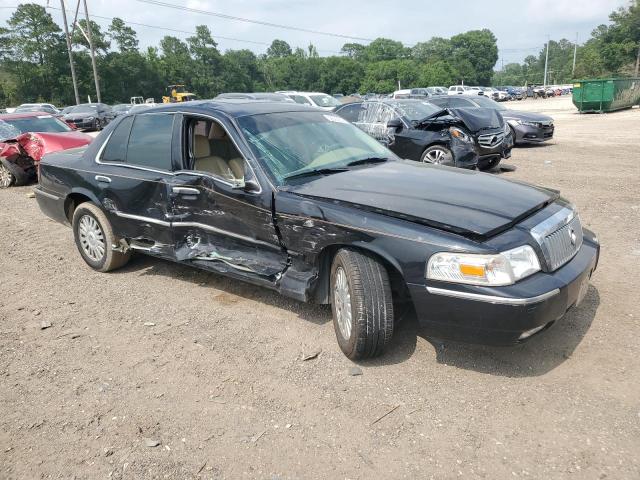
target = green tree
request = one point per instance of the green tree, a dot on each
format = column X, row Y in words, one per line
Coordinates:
column 384, row 49
column 123, row 36
column 100, row 41
column 279, row 49
column 479, row 49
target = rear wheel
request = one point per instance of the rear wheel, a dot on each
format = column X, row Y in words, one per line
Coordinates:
column 6, row 177
column 362, row 304
column 95, row 239
column 486, row 165
column 438, row 155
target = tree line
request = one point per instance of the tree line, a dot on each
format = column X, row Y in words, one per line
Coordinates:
column 34, row 64
column 612, row 50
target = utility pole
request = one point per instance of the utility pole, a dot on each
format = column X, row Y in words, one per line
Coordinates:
column 575, row 52
column 638, row 61
column 546, row 62
column 93, row 53
column 73, row 68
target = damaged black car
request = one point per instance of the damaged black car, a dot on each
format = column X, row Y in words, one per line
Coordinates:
column 418, row 130
column 303, row 202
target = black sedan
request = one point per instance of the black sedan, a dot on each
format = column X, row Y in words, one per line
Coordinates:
column 303, row 202
column 89, row 116
column 526, row 127
column 418, row 130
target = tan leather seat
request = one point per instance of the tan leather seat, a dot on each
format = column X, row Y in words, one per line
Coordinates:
column 225, row 161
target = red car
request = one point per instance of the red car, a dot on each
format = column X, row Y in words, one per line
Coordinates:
column 26, row 137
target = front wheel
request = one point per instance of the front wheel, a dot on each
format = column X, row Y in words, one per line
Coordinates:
column 362, row 304
column 95, row 239
column 437, row 155
column 485, row 165
column 6, row 177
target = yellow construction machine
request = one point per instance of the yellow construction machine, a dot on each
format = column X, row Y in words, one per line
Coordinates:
column 177, row 93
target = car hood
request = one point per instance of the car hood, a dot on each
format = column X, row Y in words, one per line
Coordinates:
column 71, row 116
column 527, row 116
column 475, row 119
column 36, row 145
column 469, row 203
column 478, row 119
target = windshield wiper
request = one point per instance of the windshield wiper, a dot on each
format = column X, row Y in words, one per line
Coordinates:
column 315, row 171
column 364, row 161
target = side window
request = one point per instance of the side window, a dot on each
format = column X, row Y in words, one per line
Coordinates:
column 460, row 102
column 300, row 99
column 213, row 151
column 150, row 141
column 351, row 113
column 116, row 148
column 440, row 102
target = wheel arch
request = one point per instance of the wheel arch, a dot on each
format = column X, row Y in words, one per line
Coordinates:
column 325, row 260
column 75, row 198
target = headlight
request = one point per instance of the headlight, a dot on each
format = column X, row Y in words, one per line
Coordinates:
column 460, row 135
column 507, row 130
column 500, row 269
column 88, row 119
column 530, row 124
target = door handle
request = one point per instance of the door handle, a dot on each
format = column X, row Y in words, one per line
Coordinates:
column 102, row 179
column 185, row 191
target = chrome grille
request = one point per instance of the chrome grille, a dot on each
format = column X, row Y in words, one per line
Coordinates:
column 560, row 238
column 490, row 139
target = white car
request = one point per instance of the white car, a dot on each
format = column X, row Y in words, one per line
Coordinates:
column 314, row 99
column 38, row 107
column 463, row 90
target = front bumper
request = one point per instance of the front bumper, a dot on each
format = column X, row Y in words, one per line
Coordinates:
column 80, row 123
column 531, row 134
column 505, row 315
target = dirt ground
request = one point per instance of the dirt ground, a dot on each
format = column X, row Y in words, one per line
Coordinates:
column 211, row 371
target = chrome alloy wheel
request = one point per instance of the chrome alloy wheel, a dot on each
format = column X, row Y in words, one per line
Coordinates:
column 342, row 297
column 435, row 156
column 6, row 177
column 91, row 238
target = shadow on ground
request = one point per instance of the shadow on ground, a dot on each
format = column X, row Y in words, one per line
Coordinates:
column 537, row 356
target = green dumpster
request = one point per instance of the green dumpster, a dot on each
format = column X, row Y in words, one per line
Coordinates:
column 606, row 94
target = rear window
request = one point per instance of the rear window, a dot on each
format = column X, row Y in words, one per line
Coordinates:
column 150, row 141
column 116, row 149
column 41, row 123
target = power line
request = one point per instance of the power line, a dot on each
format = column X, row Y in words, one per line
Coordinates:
column 248, row 20
column 169, row 29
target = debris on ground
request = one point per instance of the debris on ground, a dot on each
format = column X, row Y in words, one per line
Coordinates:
column 151, row 442
column 354, row 371
column 388, row 412
column 45, row 324
column 311, row 355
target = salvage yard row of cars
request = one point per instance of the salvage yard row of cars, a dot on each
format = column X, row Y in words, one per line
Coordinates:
column 316, row 205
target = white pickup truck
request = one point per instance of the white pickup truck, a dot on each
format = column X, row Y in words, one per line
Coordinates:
column 464, row 90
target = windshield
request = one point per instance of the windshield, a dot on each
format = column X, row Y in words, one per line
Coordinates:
column 31, row 108
column 324, row 100
column 416, row 111
column 40, row 123
column 488, row 103
column 84, row 109
column 7, row 131
column 292, row 142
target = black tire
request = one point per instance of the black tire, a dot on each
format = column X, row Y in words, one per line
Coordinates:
column 109, row 260
column 98, row 125
column 7, row 178
column 371, row 304
column 513, row 134
column 485, row 165
column 430, row 155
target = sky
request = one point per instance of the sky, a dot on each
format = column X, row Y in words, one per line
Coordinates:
column 521, row 27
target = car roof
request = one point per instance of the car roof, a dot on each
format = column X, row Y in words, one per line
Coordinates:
column 234, row 107
column 16, row 116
